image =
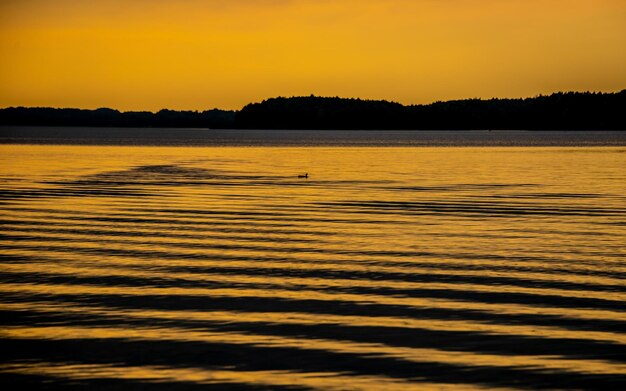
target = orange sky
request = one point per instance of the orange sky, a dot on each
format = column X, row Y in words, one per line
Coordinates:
column 199, row 54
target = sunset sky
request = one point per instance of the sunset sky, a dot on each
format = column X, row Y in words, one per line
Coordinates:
column 200, row 54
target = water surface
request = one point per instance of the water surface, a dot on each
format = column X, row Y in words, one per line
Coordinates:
column 386, row 268
column 261, row 137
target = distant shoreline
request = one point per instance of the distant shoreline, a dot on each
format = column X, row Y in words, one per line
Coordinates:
column 559, row 111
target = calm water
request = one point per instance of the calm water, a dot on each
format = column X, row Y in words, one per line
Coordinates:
column 388, row 268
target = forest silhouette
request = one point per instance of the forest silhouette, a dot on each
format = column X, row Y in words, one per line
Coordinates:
column 559, row 111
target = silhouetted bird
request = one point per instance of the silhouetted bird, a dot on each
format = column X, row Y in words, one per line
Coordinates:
column 306, row 175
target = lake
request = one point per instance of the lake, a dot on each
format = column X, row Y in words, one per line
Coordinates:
column 405, row 260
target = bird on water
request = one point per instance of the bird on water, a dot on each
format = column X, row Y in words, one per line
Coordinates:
column 306, row 175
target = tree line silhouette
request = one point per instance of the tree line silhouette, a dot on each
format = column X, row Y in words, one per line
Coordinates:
column 559, row 111
column 104, row 117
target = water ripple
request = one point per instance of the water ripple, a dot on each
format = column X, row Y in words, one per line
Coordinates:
column 385, row 268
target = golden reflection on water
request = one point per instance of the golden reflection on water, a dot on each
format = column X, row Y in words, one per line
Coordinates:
column 159, row 374
column 386, row 268
column 410, row 354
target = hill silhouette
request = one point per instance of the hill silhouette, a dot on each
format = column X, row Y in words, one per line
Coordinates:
column 559, row 111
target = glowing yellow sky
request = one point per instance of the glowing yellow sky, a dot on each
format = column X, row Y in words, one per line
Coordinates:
column 198, row 54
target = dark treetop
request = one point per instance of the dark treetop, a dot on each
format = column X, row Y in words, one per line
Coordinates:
column 567, row 111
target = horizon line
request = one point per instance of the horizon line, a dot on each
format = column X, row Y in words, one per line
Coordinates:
column 318, row 96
